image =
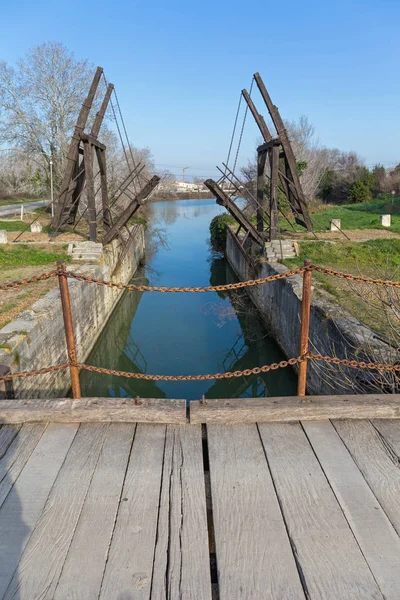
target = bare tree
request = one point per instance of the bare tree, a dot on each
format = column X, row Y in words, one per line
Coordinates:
column 39, row 101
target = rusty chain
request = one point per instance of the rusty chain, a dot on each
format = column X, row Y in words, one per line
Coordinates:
column 227, row 375
column 14, row 284
column 25, row 374
column 209, row 288
column 163, row 289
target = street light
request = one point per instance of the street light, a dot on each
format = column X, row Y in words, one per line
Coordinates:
column 51, row 188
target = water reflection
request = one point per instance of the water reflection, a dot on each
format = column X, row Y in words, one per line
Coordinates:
column 186, row 333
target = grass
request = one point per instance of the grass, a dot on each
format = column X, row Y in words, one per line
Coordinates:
column 354, row 216
column 19, row 226
column 25, row 255
column 379, row 259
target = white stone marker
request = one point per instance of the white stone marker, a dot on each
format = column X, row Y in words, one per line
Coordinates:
column 3, row 236
column 336, row 225
column 36, row 227
column 385, row 220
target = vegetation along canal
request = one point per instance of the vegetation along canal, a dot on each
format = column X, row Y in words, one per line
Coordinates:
column 190, row 333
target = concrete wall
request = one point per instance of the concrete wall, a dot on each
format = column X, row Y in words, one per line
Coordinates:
column 279, row 304
column 36, row 338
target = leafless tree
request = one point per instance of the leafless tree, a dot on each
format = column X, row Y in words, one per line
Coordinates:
column 40, row 98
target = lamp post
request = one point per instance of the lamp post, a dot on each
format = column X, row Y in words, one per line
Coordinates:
column 51, row 189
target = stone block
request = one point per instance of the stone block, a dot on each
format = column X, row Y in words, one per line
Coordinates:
column 385, row 220
column 36, row 227
column 3, row 236
column 336, row 225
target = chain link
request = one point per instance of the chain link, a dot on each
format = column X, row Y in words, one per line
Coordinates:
column 227, row 375
column 341, row 275
column 210, row 288
column 14, row 284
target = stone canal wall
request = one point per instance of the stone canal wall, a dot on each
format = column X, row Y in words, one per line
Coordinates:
column 36, row 338
column 333, row 334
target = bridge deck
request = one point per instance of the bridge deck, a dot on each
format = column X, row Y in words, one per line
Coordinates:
column 131, row 511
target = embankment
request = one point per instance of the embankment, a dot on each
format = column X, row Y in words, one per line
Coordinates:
column 333, row 334
column 36, row 338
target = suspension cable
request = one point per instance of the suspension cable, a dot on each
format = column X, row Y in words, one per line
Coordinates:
column 234, row 131
column 243, row 124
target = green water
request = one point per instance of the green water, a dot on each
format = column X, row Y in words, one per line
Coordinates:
column 175, row 334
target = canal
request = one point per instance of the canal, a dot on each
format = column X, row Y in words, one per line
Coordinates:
column 188, row 333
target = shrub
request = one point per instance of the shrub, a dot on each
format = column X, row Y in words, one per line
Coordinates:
column 360, row 192
column 218, row 229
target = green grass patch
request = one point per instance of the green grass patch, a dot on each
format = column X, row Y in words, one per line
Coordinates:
column 371, row 257
column 9, row 201
column 13, row 225
column 354, row 216
column 24, row 255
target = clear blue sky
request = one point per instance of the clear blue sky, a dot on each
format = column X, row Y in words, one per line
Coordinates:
column 179, row 66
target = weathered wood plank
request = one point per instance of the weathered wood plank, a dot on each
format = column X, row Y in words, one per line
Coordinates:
column 390, row 431
column 328, row 555
column 18, row 453
column 375, row 535
column 7, row 434
column 24, row 504
column 181, row 563
column 101, row 410
column 85, row 563
column 130, row 561
column 377, row 462
column 294, row 408
column 254, row 556
column 44, row 555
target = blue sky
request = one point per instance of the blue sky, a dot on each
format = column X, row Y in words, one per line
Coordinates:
column 179, row 66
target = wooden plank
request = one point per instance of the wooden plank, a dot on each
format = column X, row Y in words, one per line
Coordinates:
column 90, row 191
column 85, row 563
column 259, row 119
column 328, row 555
column 224, row 200
column 7, row 434
column 390, row 431
column 273, row 212
column 375, row 535
column 100, row 114
column 131, row 209
column 18, row 453
column 130, row 561
column 44, row 555
column 254, row 556
column 101, row 410
column 294, row 408
column 262, row 200
column 181, row 562
column 24, row 504
column 377, row 462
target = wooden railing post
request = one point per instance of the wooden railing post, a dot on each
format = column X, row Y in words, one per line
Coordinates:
column 69, row 328
column 305, row 329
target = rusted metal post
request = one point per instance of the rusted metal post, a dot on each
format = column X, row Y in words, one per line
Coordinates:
column 305, row 329
column 69, row 328
column 6, row 387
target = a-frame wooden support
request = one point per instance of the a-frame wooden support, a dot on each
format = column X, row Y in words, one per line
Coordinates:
column 285, row 162
column 224, row 200
column 79, row 171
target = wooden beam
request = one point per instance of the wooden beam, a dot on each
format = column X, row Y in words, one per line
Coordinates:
column 268, row 145
column 100, row 115
column 131, row 209
column 62, row 208
column 101, row 159
column 96, row 410
column 273, row 212
column 224, row 200
column 287, row 147
column 261, row 196
column 259, row 119
column 88, row 137
column 90, row 192
column 295, row 408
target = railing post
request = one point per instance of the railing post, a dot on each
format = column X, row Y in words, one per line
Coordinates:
column 305, row 329
column 6, row 387
column 69, row 328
